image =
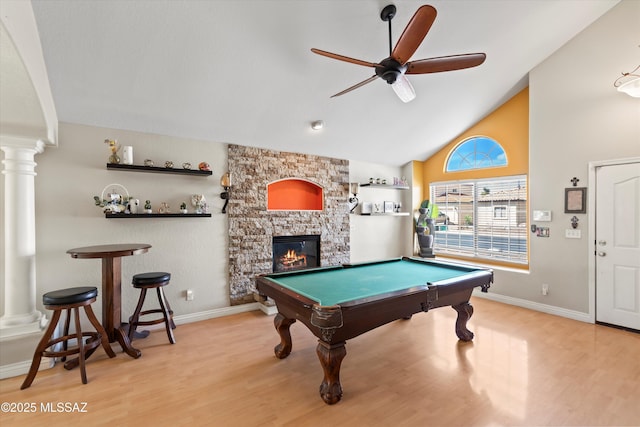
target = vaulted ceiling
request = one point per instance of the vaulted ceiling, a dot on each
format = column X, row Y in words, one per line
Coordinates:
column 241, row 71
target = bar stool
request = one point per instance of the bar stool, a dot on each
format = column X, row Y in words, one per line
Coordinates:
column 145, row 281
column 70, row 299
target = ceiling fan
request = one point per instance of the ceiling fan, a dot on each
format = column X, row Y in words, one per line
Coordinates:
column 393, row 69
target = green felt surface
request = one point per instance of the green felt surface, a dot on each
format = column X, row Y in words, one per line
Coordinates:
column 337, row 286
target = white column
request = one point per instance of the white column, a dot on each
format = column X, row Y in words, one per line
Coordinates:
column 20, row 314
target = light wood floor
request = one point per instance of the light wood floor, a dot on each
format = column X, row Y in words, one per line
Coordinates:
column 523, row 368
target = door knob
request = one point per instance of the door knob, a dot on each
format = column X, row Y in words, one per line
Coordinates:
column 602, row 254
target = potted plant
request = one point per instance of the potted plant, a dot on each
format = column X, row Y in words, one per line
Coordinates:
column 425, row 228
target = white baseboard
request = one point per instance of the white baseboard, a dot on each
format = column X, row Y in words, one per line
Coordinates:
column 21, row 368
column 549, row 309
column 212, row 314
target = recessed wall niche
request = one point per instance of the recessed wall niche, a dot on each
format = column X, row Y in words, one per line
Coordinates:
column 293, row 194
column 252, row 226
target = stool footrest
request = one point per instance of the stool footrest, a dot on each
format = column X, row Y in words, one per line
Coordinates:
column 91, row 343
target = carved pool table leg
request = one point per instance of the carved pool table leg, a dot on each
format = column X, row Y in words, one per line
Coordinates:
column 282, row 325
column 465, row 311
column 331, row 356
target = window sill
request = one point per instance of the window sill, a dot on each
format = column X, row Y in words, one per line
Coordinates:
column 473, row 262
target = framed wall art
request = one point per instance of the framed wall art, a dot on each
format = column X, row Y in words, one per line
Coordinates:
column 575, row 200
column 388, row 207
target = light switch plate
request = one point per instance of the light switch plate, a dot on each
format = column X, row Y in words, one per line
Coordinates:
column 542, row 216
column 572, row 234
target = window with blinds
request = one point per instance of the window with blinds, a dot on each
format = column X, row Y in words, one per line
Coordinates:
column 482, row 218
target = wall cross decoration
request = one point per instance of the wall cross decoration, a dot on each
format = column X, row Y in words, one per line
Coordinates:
column 574, row 180
column 574, row 222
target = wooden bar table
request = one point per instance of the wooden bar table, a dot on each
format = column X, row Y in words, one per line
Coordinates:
column 111, row 256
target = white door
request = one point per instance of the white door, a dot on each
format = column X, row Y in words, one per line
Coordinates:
column 617, row 245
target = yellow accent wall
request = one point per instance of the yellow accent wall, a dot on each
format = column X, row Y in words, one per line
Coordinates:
column 508, row 125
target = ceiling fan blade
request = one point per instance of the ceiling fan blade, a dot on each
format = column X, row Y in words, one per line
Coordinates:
column 369, row 80
column 414, row 33
column 445, row 63
column 344, row 58
column 403, row 88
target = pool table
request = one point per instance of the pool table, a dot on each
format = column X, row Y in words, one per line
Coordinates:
column 341, row 302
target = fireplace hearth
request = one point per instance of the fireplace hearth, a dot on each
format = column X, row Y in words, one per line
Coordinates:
column 295, row 252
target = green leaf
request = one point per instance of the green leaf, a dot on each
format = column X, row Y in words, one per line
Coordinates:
column 434, row 211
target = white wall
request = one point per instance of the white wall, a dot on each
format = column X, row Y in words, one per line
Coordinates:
column 576, row 116
column 380, row 237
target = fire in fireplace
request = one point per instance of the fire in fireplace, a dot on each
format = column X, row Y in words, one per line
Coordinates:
column 295, row 252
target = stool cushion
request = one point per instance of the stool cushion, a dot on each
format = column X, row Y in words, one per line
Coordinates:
column 70, row 295
column 151, row 278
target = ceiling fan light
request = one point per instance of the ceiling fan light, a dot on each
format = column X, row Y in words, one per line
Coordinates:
column 403, row 88
column 631, row 87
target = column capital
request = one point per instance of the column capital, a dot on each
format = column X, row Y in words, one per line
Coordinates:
column 8, row 143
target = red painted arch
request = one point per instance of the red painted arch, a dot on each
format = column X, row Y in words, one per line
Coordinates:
column 294, row 195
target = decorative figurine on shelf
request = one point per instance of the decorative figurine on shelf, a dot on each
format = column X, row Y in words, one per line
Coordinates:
column 199, row 202
column 113, row 145
column 204, row 166
column 183, row 207
column 127, row 155
column 112, row 202
column 425, row 228
column 168, row 164
column 186, row 165
column 164, row 208
column 147, row 207
column 132, row 206
column 148, row 163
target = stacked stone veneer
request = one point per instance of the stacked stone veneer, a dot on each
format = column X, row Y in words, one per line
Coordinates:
column 251, row 226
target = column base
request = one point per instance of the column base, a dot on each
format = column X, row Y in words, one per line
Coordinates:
column 21, row 323
column 17, row 344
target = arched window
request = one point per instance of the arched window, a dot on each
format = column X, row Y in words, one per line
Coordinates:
column 478, row 152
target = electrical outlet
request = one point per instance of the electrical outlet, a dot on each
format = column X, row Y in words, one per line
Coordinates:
column 545, row 289
column 189, row 295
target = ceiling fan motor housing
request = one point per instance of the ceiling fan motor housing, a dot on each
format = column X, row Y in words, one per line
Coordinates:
column 390, row 69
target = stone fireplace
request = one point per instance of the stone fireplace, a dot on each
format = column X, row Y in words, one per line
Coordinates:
column 252, row 225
